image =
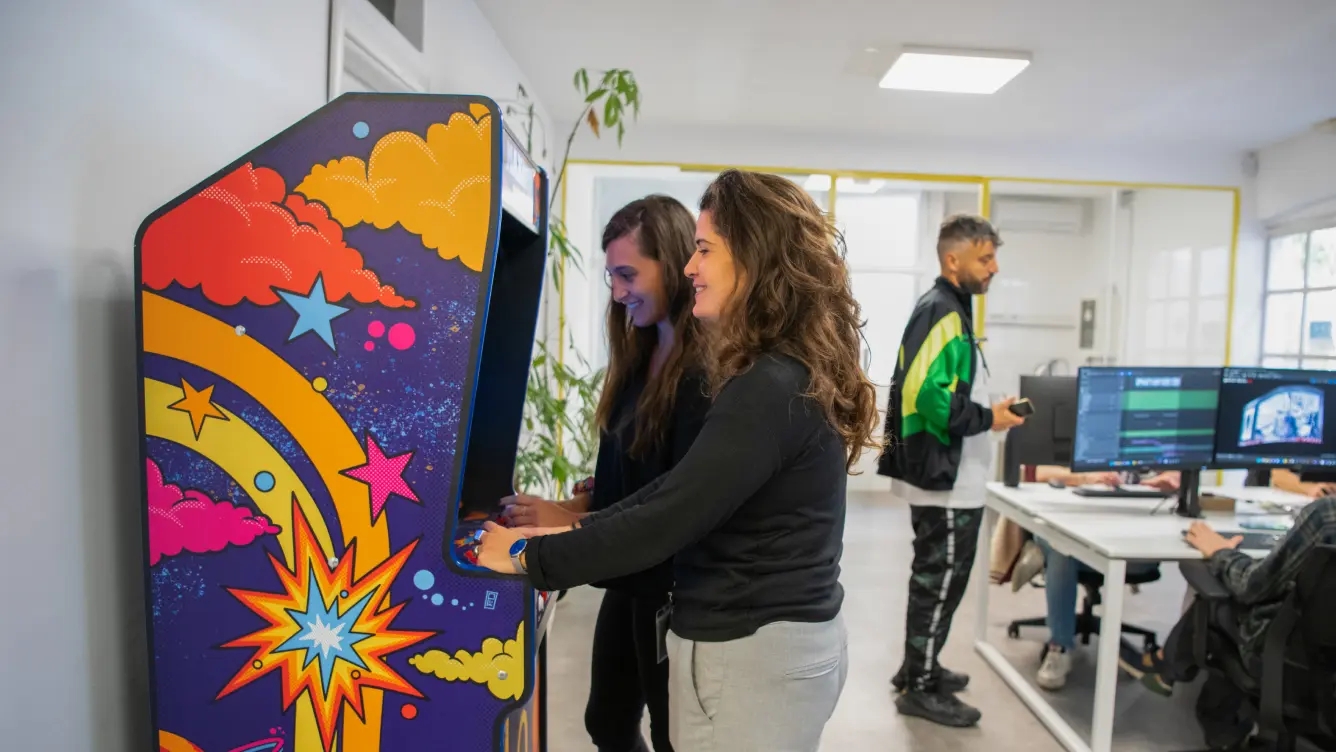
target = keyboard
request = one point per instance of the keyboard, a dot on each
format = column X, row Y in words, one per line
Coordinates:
column 1129, row 491
column 1255, row 540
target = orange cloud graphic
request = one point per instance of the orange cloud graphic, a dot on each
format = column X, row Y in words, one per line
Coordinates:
column 245, row 236
column 439, row 189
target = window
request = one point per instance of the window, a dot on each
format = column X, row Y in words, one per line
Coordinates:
column 1300, row 307
column 881, row 235
column 1185, row 307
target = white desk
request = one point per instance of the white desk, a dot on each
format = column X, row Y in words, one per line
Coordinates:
column 1105, row 534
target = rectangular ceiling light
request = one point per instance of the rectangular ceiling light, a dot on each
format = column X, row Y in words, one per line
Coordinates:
column 956, row 71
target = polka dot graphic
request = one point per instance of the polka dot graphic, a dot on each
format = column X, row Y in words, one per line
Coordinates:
column 409, row 712
column 437, row 599
column 424, row 579
column 369, row 346
column 319, row 383
column 376, row 329
column 264, row 481
column 402, row 336
column 361, row 129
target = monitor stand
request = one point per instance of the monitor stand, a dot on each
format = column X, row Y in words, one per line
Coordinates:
column 1189, row 494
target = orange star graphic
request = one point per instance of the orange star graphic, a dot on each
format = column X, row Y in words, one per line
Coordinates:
column 199, row 404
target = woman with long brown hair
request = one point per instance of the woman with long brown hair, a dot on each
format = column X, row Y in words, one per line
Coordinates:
column 652, row 406
column 754, row 513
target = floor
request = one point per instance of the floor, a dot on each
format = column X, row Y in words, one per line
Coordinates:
column 875, row 572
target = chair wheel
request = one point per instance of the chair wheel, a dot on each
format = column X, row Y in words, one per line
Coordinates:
column 1013, row 631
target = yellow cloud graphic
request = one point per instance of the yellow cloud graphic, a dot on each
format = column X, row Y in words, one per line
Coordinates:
column 439, row 189
column 499, row 666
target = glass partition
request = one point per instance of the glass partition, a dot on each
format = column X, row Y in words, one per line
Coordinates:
column 1089, row 274
column 594, row 193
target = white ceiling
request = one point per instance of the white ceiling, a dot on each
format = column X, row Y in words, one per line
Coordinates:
column 1205, row 74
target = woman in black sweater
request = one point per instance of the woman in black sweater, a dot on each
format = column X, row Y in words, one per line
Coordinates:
column 753, row 515
column 653, row 404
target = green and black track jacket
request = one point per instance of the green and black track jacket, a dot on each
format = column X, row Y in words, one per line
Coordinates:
column 930, row 409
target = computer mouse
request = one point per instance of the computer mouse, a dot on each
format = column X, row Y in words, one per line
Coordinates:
column 1055, row 483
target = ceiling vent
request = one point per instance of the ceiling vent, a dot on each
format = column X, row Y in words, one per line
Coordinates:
column 1056, row 216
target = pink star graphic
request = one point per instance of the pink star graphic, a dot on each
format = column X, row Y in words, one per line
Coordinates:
column 385, row 476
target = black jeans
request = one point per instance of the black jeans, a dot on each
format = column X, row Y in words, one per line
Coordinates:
column 626, row 677
column 945, row 541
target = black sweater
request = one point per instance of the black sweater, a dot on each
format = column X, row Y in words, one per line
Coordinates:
column 617, row 474
column 754, row 513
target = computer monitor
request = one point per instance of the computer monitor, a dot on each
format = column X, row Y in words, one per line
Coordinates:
column 1145, row 418
column 1046, row 436
column 1272, row 417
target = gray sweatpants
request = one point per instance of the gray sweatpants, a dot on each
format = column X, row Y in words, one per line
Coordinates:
column 770, row 692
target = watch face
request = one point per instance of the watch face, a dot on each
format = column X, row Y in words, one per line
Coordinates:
column 518, row 546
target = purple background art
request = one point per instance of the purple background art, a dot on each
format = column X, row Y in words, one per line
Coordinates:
column 411, row 400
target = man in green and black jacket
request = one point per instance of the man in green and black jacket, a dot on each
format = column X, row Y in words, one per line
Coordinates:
column 939, row 455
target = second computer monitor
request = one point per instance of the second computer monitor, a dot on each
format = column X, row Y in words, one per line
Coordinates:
column 1272, row 417
column 1145, row 418
column 1046, row 437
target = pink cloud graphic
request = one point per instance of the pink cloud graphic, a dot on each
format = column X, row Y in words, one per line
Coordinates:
column 191, row 521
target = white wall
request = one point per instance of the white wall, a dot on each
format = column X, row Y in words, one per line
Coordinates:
column 1034, row 305
column 720, row 145
column 467, row 57
column 1296, row 178
column 110, row 110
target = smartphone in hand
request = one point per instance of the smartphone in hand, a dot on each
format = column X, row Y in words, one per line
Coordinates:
column 1022, row 408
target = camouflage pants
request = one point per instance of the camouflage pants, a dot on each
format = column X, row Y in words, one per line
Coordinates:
column 945, row 541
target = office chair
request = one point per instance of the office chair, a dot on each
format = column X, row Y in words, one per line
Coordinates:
column 1087, row 623
column 1292, row 690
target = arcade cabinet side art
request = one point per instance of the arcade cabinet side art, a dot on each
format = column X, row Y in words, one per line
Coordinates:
column 310, row 319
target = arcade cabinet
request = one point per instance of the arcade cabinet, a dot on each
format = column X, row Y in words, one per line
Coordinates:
column 334, row 340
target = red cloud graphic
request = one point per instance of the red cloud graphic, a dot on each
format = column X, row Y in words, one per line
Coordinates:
column 245, row 235
column 192, row 521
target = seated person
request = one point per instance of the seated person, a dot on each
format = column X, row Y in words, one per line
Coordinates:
column 1288, row 480
column 1061, row 572
column 1257, row 588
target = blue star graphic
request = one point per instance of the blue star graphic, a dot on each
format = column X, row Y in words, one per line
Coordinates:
column 313, row 312
column 326, row 635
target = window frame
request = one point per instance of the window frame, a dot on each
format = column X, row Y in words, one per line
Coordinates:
column 1300, row 356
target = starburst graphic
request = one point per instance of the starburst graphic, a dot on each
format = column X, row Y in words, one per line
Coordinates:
column 327, row 634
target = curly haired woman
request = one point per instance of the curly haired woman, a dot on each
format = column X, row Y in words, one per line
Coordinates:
column 753, row 515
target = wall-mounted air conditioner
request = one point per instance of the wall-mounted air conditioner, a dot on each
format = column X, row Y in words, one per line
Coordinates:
column 1058, row 216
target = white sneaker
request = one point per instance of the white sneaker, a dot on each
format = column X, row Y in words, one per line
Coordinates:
column 1053, row 672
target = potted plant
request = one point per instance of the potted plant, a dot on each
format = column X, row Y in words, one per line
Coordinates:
column 560, row 439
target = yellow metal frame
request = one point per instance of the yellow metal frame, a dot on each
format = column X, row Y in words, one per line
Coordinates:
column 984, row 182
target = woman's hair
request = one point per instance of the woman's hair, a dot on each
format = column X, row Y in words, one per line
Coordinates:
column 665, row 231
column 792, row 296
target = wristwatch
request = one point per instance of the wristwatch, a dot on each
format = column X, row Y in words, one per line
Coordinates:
column 516, row 549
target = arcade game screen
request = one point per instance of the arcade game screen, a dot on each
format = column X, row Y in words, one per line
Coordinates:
column 1145, row 418
column 1275, row 417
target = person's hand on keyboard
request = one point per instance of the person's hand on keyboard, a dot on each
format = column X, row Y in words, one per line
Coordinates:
column 1163, row 481
column 1201, row 537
